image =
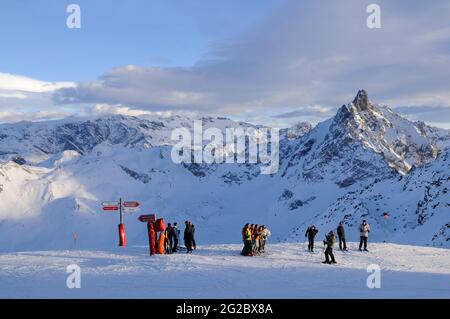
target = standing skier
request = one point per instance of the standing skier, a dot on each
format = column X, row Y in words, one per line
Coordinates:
column 364, row 230
column 341, row 235
column 253, row 228
column 311, row 233
column 169, row 238
column 264, row 235
column 260, row 238
column 188, row 237
column 329, row 241
column 256, row 239
column 176, row 236
column 243, row 233
column 247, row 239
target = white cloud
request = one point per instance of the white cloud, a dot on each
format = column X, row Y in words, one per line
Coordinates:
column 431, row 99
column 12, row 95
column 304, row 62
column 107, row 109
column 11, row 82
column 308, row 53
column 26, row 99
column 10, row 116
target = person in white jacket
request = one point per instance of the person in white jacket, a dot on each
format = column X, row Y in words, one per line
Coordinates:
column 364, row 230
column 265, row 233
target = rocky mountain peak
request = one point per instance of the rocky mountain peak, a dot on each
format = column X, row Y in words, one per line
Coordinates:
column 361, row 101
column 402, row 143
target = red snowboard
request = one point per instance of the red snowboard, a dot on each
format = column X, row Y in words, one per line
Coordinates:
column 162, row 239
column 151, row 238
column 160, row 225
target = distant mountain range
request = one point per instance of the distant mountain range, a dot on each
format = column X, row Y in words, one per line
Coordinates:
column 367, row 162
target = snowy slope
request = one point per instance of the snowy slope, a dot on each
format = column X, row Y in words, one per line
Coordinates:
column 364, row 162
column 218, row 271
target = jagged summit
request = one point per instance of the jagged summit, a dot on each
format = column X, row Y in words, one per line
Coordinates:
column 361, row 101
column 402, row 143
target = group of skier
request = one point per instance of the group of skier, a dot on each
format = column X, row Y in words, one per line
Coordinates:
column 254, row 238
column 330, row 239
column 172, row 236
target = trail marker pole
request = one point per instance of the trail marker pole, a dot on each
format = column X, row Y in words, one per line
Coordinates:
column 120, row 206
column 122, row 238
column 120, row 210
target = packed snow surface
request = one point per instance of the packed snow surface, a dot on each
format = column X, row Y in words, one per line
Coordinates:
column 218, row 271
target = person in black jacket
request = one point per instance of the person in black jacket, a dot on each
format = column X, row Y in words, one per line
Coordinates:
column 169, row 237
column 341, row 235
column 188, row 237
column 311, row 232
column 176, row 236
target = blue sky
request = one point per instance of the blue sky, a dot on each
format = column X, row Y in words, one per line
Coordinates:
column 264, row 61
column 116, row 33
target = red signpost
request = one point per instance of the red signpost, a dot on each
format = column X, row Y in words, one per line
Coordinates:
column 110, row 208
column 150, row 219
column 147, row 218
column 118, row 206
column 122, row 237
column 111, row 203
column 130, row 204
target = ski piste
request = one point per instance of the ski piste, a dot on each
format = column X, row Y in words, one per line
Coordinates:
column 219, row 271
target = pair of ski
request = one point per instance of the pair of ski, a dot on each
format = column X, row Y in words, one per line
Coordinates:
column 329, row 263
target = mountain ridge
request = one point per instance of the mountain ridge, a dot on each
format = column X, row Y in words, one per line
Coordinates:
column 362, row 163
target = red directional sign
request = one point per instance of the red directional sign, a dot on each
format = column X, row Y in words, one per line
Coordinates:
column 130, row 204
column 147, row 218
column 110, row 208
column 112, row 203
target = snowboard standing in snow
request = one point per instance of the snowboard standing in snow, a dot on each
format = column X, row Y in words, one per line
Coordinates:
column 151, row 238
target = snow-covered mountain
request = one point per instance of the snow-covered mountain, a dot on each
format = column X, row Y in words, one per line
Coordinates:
column 364, row 162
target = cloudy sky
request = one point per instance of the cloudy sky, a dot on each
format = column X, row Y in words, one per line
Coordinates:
column 272, row 62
